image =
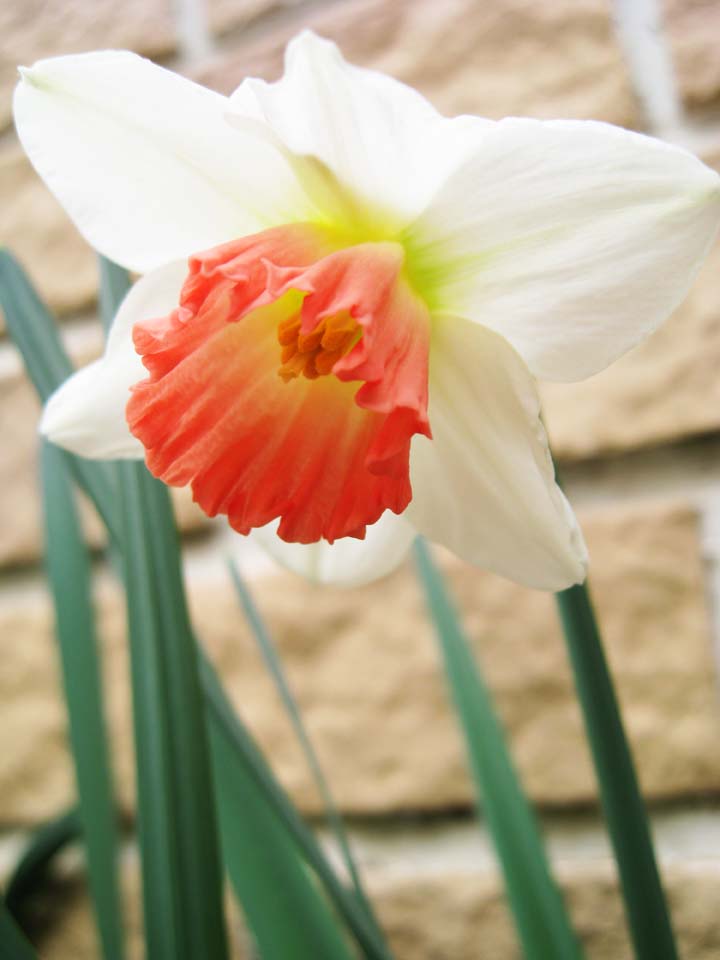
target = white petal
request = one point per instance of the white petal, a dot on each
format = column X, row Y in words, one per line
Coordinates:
column 86, row 415
column 144, row 160
column 347, row 562
column 572, row 239
column 378, row 137
column 484, row 485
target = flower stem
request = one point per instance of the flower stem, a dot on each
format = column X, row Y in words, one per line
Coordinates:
column 627, row 820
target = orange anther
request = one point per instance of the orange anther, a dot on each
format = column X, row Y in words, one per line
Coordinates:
column 288, row 352
column 325, row 361
column 314, row 354
column 310, row 341
column 310, row 369
column 288, row 330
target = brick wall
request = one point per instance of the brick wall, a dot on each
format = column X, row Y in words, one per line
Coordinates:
column 638, row 447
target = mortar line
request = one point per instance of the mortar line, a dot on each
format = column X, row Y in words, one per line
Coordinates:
column 640, row 32
column 195, row 41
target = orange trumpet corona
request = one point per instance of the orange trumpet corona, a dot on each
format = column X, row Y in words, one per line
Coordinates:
column 288, row 383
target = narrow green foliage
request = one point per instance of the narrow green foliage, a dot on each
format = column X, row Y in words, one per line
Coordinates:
column 537, row 907
column 178, row 837
column 156, row 814
column 627, row 820
column 249, row 765
column 284, row 907
column 32, row 328
column 237, row 797
column 47, row 364
column 114, row 284
column 68, row 568
column 182, row 874
column 13, row 945
column 31, row 868
column 274, row 665
column 153, row 644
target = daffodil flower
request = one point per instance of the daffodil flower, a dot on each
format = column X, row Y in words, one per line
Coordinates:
column 346, row 298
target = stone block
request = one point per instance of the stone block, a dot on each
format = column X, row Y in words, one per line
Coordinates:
column 691, row 27
column 38, row 232
column 35, row 29
column 20, row 505
column 366, row 673
column 510, row 57
column 437, row 914
column 445, row 915
column 364, row 667
column 664, row 390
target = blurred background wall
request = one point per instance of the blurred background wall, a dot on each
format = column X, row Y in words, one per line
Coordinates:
column 637, row 446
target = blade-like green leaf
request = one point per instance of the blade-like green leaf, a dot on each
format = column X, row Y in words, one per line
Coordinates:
column 537, row 906
column 176, row 813
column 31, row 868
column 245, row 754
column 645, row 904
column 274, row 665
column 165, row 553
column 182, row 874
column 153, row 728
column 47, row 364
column 248, row 762
column 114, row 284
column 284, row 908
column 162, row 529
column 13, row 945
column 68, row 567
column 32, row 328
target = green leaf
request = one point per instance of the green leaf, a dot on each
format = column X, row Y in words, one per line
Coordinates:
column 35, row 335
column 13, row 944
column 274, row 665
column 233, row 782
column 31, row 868
column 284, row 908
column 114, row 284
column 248, row 764
column 537, row 907
column 246, row 757
column 32, row 328
column 645, row 903
column 68, row 568
column 165, row 555
column 182, row 873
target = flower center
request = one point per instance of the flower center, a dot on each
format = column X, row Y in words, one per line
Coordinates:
column 314, row 354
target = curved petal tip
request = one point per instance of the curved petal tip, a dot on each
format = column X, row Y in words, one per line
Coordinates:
column 348, row 562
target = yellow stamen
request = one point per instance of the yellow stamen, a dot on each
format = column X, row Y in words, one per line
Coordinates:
column 314, row 354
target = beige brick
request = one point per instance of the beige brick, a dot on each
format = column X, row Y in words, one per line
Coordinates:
column 364, row 667
column 366, row 672
column 438, row 914
column 35, row 29
column 38, row 232
column 34, row 226
column 691, row 28
column 507, row 57
column 466, row 57
column 20, row 506
column 62, row 923
column 445, row 915
column 232, row 17
column 666, row 389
